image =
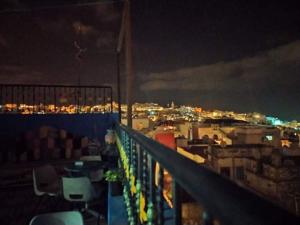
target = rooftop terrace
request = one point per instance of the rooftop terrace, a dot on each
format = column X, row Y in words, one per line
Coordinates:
column 159, row 187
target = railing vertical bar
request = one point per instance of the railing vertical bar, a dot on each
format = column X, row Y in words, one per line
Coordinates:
column 26, row 96
column 17, row 98
column 36, row 99
column 104, row 98
column 128, row 143
column 6, row 95
column 140, row 162
column 84, row 96
column 33, row 99
column 30, row 96
column 134, row 157
column 139, row 180
column 111, row 101
column 151, row 193
column 23, row 95
column 1, row 98
column 159, row 195
column 95, row 97
column 3, row 101
column 12, row 94
column 99, row 97
column 123, row 137
column 77, row 99
column 134, row 173
column 145, row 174
column 144, row 186
column 130, row 156
column 80, row 100
column 39, row 98
column 176, row 202
column 55, row 103
column 44, row 104
column 90, row 98
column 71, row 96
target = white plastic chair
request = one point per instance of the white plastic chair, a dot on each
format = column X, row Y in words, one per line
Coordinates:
column 58, row 218
column 79, row 189
column 45, row 181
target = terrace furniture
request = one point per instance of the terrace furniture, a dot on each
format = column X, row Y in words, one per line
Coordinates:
column 91, row 158
column 46, row 181
column 90, row 168
column 96, row 174
column 80, row 190
column 58, row 218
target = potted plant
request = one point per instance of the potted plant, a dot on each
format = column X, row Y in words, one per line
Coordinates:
column 115, row 179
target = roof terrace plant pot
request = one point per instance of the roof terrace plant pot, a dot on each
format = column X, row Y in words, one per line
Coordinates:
column 115, row 188
column 115, row 179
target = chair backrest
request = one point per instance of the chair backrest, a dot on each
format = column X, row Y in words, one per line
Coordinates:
column 35, row 184
column 42, row 177
column 91, row 158
column 58, row 218
column 77, row 189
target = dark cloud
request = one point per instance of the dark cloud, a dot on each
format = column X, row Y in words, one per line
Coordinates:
column 225, row 75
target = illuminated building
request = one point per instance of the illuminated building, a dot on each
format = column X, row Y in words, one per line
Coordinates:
column 236, row 132
column 270, row 172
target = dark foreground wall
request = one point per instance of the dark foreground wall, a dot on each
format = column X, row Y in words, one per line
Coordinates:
column 90, row 125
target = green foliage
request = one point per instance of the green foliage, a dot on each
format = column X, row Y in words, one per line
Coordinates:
column 114, row 175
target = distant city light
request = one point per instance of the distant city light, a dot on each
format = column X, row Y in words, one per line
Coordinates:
column 274, row 121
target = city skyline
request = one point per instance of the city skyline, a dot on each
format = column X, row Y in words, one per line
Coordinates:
column 220, row 55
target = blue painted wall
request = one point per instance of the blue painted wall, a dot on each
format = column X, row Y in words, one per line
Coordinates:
column 91, row 125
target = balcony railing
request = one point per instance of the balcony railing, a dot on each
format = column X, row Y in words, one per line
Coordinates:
column 28, row 99
column 223, row 201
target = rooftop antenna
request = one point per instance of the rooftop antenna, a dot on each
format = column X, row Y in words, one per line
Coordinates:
column 79, row 56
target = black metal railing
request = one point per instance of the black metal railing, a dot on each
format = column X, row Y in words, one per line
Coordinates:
column 223, row 201
column 27, row 99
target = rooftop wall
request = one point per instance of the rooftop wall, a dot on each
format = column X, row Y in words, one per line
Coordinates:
column 90, row 125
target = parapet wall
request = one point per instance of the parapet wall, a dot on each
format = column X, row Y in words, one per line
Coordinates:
column 14, row 127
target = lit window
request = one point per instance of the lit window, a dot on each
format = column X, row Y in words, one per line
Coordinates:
column 269, row 137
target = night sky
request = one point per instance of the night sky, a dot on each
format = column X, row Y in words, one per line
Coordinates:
column 232, row 55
